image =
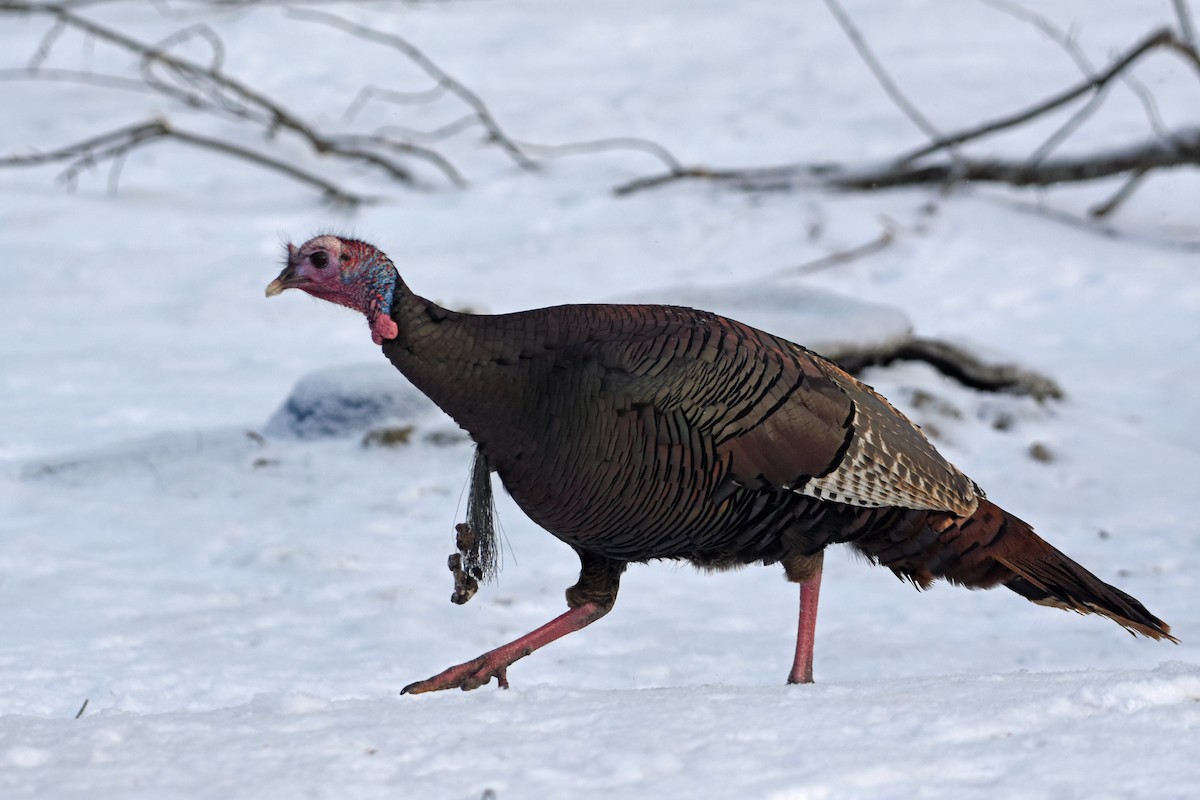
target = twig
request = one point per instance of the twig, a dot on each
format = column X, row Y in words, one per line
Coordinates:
column 392, row 96
column 1102, row 210
column 457, row 126
column 200, row 31
column 1047, row 27
column 431, row 156
column 1068, row 44
column 1073, row 123
column 755, row 178
column 1186, row 29
column 880, row 242
column 1097, row 227
column 332, row 192
column 1160, row 38
column 607, row 145
column 440, row 76
column 46, row 45
column 82, row 708
column 55, row 75
column 118, row 143
column 220, row 90
column 881, row 75
column 438, row 134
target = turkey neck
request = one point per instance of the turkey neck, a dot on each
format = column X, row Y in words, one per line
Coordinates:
column 463, row 362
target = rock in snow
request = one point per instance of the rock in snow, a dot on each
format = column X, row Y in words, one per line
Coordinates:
column 346, row 401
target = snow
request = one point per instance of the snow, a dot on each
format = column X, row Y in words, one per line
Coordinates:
column 240, row 603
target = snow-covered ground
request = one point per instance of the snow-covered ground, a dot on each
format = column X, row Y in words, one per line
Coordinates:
column 240, row 606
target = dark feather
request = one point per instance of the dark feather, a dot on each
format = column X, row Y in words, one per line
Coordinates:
column 477, row 543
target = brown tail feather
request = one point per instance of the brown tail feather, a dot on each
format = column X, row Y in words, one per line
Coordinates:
column 992, row 547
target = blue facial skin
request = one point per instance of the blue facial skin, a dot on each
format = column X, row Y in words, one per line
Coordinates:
column 380, row 279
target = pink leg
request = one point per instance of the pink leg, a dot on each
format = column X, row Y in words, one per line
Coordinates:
column 494, row 664
column 802, row 666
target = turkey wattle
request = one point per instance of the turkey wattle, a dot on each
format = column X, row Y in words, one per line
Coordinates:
column 639, row 432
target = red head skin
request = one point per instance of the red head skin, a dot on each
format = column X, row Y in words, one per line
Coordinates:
column 347, row 272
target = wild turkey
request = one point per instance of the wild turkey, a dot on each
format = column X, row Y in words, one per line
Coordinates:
column 639, row 432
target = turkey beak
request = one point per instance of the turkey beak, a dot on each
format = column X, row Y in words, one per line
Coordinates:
column 286, row 280
column 275, row 287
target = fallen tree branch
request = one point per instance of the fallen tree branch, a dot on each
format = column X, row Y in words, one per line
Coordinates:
column 961, row 365
column 1170, row 149
column 1182, row 148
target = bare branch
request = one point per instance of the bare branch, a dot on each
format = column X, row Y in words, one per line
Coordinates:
column 366, row 93
column 881, row 75
column 1073, row 123
column 783, row 177
column 202, row 84
column 440, row 76
column 332, row 192
column 75, row 76
column 195, row 86
column 438, row 134
column 880, row 242
column 1102, row 210
column 1160, row 38
column 46, row 45
column 1047, row 27
column 198, row 31
column 431, row 156
column 1187, row 51
column 607, row 145
column 1186, row 30
column 119, row 143
column 220, row 90
column 1067, row 41
column 1182, row 148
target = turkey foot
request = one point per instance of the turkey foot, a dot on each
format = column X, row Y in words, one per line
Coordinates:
column 494, row 664
column 470, row 675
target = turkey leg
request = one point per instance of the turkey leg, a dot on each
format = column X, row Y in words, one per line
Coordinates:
column 809, row 578
column 590, row 598
column 494, row 663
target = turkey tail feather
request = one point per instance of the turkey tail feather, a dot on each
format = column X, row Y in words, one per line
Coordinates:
column 992, row 547
column 1048, row 577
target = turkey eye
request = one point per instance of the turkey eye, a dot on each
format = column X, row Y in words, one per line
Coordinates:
column 319, row 260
